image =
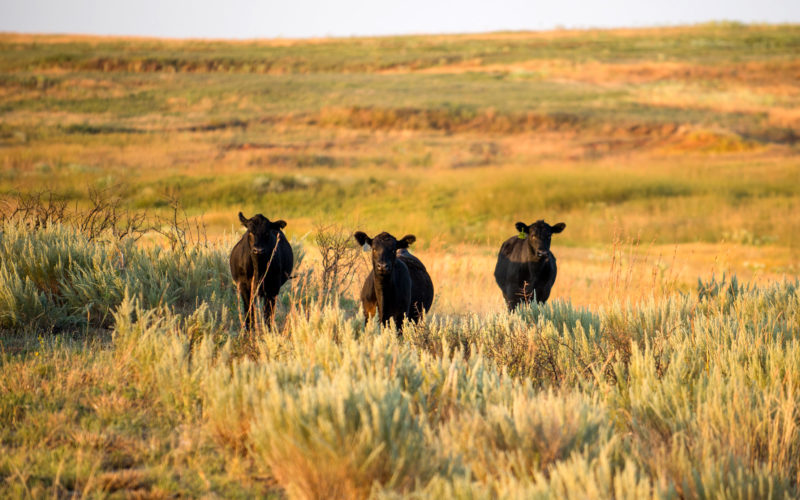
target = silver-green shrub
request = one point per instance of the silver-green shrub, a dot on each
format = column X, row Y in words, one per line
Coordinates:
column 691, row 396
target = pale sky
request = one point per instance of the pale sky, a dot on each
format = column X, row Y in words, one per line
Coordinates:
column 317, row 18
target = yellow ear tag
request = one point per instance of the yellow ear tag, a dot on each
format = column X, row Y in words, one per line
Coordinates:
column 521, row 235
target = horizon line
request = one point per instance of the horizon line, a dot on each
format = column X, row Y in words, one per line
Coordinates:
column 556, row 29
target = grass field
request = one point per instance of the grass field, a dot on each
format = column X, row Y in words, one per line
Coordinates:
column 671, row 154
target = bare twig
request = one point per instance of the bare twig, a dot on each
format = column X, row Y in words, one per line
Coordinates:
column 178, row 229
column 340, row 259
column 105, row 214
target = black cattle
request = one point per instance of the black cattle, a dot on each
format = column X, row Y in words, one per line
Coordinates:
column 263, row 260
column 399, row 284
column 526, row 268
column 421, row 285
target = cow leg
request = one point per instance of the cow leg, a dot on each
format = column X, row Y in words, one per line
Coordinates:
column 244, row 293
column 369, row 310
column 515, row 302
column 522, row 295
column 542, row 295
column 413, row 314
column 269, row 308
column 513, row 298
column 398, row 323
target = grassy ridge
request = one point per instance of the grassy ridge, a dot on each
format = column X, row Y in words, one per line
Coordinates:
column 715, row 42
column 686, row 397
column 678, row 135
column 134, row 77
column 453, row 99
column 689, row 122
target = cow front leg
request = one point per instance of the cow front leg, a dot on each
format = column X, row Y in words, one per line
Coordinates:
column 511, row 304
column 269, row 309
column 398, row 323
column 370, row 310
column 513, row 298
column 244, row 293
column 542, row 294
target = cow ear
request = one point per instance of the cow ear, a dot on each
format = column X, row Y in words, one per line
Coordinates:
column 522, row 227
column 279, row 224
column 558, row 227
column 362, row 238
column 406, row 240
column 243, row 219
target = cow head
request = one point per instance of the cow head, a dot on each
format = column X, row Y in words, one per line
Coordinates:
column 538, row 235
column 384, row 250
column 261, row 233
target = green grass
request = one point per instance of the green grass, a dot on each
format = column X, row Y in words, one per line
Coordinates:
column 709, row 42
column 441, row 101
column 689, row 202
column 140, row 76
column 679, row 134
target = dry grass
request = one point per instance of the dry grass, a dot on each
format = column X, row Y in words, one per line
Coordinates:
column 670, row 153
column 595, row 277
column 633, row 392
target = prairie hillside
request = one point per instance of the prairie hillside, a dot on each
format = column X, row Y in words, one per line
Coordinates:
column 671, row 141
column 665, row 364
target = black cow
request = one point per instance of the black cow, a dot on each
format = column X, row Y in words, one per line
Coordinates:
column 421, row 285
column 263, row 260
column 399, row 284
column 525, row 265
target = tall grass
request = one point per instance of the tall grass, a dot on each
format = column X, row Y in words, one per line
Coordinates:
column 56, row 278
column 692, row 398
column 689, row 396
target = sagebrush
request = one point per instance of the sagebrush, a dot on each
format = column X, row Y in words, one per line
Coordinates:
column 692, row 396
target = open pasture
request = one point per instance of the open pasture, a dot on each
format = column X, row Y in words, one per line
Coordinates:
column 671, row 154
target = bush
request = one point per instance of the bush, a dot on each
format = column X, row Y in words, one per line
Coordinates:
column 57, row 278
column 692, row 396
